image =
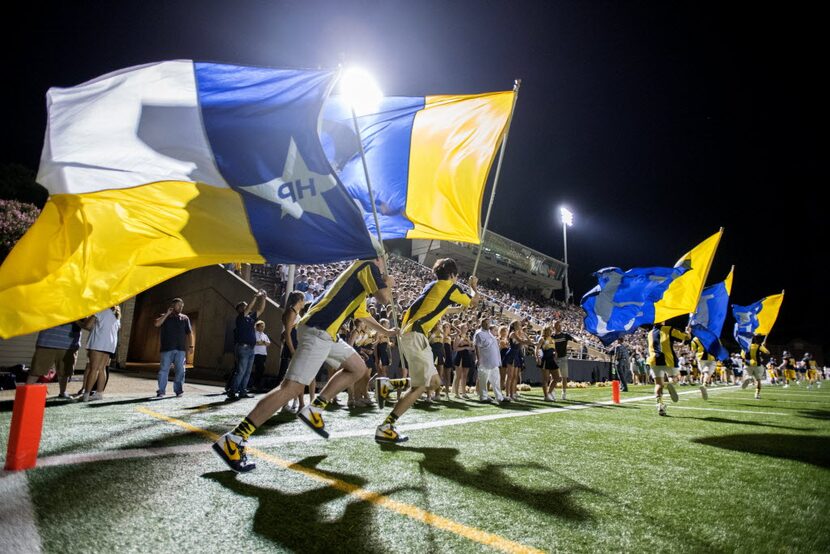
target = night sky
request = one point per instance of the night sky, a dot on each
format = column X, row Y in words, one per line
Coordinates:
column 654, row 122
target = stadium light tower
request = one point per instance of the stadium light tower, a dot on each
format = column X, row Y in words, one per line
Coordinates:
column 567, row 220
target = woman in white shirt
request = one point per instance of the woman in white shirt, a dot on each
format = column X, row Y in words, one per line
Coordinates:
column 103, row 338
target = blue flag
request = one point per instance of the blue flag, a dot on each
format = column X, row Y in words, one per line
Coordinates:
column 755, row 319
column 622, row 301
column 707, row 321
column 262, row 128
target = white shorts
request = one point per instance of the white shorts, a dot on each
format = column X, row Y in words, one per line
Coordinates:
column 659, row 370
column 755, row 371
column 314, row 348
column 707, row 366
column 563, row 366
column 418, row 358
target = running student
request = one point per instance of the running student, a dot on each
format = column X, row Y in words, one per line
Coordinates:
column 317, row 343
column 755, row 359
column 706, row 364
column 417, row 322
column 663, row 360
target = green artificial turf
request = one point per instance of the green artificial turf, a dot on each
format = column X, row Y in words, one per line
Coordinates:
column 726, row 478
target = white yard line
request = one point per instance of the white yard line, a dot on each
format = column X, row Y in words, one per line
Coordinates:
column 18, row 528
column 127, row 454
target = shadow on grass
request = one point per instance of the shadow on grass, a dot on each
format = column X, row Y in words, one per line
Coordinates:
column 815, row 414
column 491, row 479
column 104, row 404
column 299, row 522
column 209, row 406
column 53, row 402
column 739, row 422
column 811, row 450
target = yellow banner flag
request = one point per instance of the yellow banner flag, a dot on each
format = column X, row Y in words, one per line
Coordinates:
column 684, row 292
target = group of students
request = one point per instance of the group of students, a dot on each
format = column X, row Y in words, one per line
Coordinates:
column 318, row 343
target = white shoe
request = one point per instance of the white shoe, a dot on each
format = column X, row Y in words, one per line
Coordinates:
column 564, row 395
column 786, row 386
column 313, row 417
column 661, row 409
column 387, row 433
column 757, row 396
column 672, row 392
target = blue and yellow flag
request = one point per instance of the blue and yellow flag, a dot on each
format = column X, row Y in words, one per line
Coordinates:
column 707, row 321
column 622, row 301
column 428, row 160
column 756, row 319
column 683, row 294
column 157, row 169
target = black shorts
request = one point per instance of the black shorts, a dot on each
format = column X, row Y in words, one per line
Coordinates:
column 464, row 358
column 438, row 352
column 549, row 364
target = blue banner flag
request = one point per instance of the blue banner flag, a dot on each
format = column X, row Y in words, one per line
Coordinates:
column 622, row 301
column 707, row 321
column 428, row 158
column 755, row 319
column 170, row 166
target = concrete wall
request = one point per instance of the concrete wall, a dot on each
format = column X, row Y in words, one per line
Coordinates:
column 209, row 295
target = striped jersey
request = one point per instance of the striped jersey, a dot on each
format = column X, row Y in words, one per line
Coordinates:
column 427, row 310
column 345, row 297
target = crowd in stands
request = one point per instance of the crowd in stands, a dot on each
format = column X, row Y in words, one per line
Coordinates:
column 503, row 303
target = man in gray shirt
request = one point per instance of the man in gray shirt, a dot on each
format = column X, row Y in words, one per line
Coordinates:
column 489, row 359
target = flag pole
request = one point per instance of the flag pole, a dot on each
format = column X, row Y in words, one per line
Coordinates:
column 516, row 85
column 383, row 253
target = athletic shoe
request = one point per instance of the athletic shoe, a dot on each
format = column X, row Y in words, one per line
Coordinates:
column 786, row 386
column 63, row 396
column 661, row 409
column 178, row 394
column 381, row 391
column 231, row 449
column 159, row 395
column 564, row 396
column 704, row 393
column 387, row 433
column 672, row 392
column 745, row 384
column 232, row 397
column 313, row 417
column 243, row 394
column 757, row 396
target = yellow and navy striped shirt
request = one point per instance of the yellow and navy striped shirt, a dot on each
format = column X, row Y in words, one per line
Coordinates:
column 427, row 310
column 660, row 351
column 700, row 351
column 758, row 355
column 345, row 297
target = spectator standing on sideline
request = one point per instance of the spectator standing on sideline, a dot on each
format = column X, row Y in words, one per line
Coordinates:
column 57, row 347
column 489, row 360
column 245, row 336
column 176, row 341
column 620, row 364
column 101, row 344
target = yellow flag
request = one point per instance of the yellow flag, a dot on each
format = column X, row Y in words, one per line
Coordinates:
column 769, row 313
column 684, row 292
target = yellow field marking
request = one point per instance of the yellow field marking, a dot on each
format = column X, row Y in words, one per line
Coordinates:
column 408, row 510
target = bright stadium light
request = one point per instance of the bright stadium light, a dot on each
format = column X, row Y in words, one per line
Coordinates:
column 567, row 217
column 360, row 90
